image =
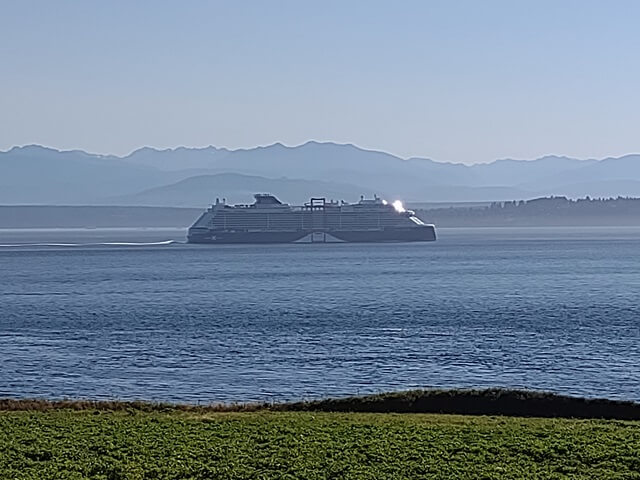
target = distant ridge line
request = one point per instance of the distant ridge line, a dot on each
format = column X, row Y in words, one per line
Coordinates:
column 187, row 176
column 276, row 144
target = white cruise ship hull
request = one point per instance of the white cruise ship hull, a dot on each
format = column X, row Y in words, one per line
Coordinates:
column 270, row 221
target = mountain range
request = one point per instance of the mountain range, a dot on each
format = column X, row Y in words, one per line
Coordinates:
column 196, row 176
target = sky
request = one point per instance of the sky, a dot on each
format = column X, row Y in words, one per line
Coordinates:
column 454, row 80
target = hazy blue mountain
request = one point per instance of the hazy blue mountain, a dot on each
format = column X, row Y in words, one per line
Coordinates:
column 591, row 172
column 35, row 174
column 194, row 176
column 329, row 161
column 315, row 161
column 237, row 188
column 416, row 178
column 382, row 171
column 463, row 193
column 528, row 174
column 180, row 158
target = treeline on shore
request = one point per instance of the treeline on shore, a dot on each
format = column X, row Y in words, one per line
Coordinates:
column 546, row 211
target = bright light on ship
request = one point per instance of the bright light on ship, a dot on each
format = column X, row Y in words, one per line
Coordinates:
column 398, row 206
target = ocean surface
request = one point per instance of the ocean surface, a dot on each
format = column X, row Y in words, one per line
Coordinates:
column 137, row 314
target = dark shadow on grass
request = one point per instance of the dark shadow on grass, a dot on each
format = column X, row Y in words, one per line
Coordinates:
column 516, row 403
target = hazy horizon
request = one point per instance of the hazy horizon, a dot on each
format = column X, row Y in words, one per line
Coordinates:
column 292, row 146
column 460, row 82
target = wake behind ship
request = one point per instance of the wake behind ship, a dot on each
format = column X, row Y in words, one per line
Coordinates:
column 268, row 220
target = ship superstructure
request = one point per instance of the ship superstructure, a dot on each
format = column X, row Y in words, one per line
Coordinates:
column 268, row 220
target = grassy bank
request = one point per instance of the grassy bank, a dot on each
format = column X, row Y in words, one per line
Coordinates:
column 519, row 403
column 502, row 435
column 136, row 444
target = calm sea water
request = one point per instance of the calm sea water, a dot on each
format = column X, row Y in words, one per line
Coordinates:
column 90, row 313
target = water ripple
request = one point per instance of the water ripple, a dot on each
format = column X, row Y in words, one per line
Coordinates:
column 251, row 323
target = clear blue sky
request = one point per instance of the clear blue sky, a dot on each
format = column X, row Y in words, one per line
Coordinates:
column 463, row 81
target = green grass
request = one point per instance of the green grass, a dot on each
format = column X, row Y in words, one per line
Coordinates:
column 137, row 444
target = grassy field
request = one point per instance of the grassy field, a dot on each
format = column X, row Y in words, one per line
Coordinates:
column 137, row 444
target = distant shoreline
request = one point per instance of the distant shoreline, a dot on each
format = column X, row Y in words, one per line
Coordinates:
column 99, row 216
column 544, row 212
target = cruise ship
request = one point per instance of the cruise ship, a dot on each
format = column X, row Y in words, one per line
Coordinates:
column 268, row 220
